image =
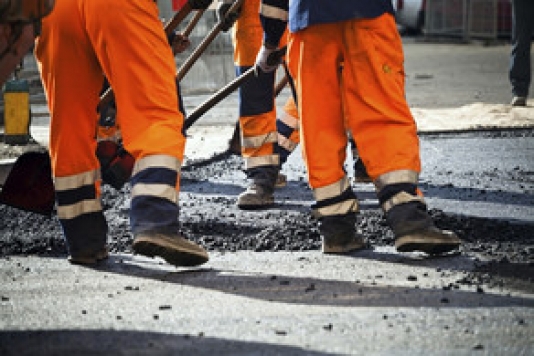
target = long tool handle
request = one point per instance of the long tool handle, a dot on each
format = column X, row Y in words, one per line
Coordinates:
column 191, row 25
column 291, row 82
column 200, row 110
column 280, row 85
column 217, row 97
column 186, row 66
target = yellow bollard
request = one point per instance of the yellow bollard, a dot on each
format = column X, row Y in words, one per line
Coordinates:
column 17, row 111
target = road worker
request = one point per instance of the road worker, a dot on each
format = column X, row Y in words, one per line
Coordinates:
column 81, row 42
column 287, row 127
column 116, row 163
column 363, row 36
column 257, row 110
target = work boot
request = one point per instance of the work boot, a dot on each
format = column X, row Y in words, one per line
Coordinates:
column 360, row 172
column 338, row 233
column 173, row 248
column 260, row 192
column 415, row 231
column 281, row 180
column 89, row 258
column 519, row 101
column 257, row 196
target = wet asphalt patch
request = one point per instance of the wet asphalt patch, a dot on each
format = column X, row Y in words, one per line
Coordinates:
column 209, row 216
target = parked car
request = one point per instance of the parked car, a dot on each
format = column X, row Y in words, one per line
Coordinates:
column 410, row 14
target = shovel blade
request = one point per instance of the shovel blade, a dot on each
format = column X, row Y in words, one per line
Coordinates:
column 29, row 185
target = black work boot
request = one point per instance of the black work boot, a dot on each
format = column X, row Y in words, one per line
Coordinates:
column 339, row 234
column 415, row 231
column 260, row 192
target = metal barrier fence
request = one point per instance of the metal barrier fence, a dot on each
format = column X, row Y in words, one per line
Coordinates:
column 468, row 19
column 446, row 17
column 482, row 19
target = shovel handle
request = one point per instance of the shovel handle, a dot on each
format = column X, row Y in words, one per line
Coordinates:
column 186, row 66
column 217, row 97
column 227, row 89
column 191, row 25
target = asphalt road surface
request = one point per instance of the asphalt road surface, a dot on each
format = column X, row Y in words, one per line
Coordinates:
column 267, row 290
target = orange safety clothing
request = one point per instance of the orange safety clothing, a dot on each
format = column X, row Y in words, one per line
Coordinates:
column 371, row 87
column 257, row 111
column 81, row 41
column 287, row 127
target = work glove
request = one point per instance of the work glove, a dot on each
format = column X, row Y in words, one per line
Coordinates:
column 267, row 60
column 116, row 164
column 226, row 19
column 179, row 43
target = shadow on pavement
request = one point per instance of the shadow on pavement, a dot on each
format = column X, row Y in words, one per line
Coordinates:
column 123, row 342
column 314, row 291
column 477, row 195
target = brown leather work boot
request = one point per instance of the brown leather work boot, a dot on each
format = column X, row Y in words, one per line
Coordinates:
column 173, row 248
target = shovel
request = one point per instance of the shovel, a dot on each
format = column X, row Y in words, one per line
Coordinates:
column 29, row 185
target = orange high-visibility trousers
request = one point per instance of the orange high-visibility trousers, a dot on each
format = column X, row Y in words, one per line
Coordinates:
column 372, row 87
column 257, row 112
column 73, row 76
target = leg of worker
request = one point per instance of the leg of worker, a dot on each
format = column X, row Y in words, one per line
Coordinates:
column 257, row 114
column 287, row 127
column 386, row 132
column 137, row 60
column 360, row 172
column 520, row 66
column 61, row 50
column 323, row 134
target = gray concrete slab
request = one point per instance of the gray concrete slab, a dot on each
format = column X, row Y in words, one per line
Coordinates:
column 373, row 302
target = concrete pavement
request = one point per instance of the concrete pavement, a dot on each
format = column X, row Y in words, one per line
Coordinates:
column 373, row 302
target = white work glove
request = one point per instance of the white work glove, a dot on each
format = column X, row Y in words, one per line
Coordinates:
column 263, row 56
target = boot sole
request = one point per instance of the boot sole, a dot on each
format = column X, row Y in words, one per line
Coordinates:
column 90, row 260
column 177, row 252
column 357, row 243
column 343, row 249
column 424, row 244
column 363, row 180
column 255, row 206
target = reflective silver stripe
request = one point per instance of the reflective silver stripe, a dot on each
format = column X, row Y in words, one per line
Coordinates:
column 273, row 12
column 286, row 143
column 400, row 198
column 341, row 208
column 290, row 120
column 155, row 161
column 258, row 141
column 74, row 210
column 76, row 181
column 253, row 162
column 163, row 191
column 331, row 191
column 394, row 177
column 116, row 137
